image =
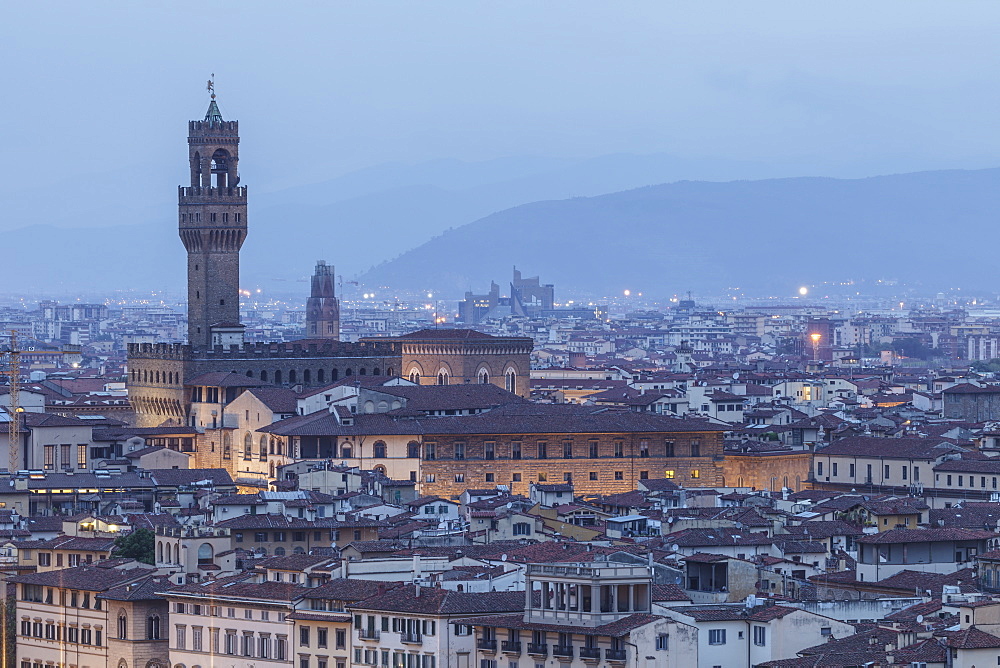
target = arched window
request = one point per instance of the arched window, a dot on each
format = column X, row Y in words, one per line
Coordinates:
column 122, row 626
column 415, row 377
column 379, row 469
column 249, row 374
column 292, row 377
column 262, row 444
column 159, row 553
column 205, row 554
column 348, row 372
column 484, row 377
column 263, row 375
column 379, row 450
column 375, row 371
column 299, row 550
column 334, row 375
column 388, row 371
column 279, row 551
column 510, row 380
column 153, row 627
column 362, row 371
column 345, row 451
column 413, row 450
column 247, row 446
column 227, row 444
column 276, row 446
column 369, row 407
column 277, row 377
column 307, row 376
column 270, row 470
column 320, row 376
column 442, row 377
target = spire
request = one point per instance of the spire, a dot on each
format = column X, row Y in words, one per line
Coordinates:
column 213, row 115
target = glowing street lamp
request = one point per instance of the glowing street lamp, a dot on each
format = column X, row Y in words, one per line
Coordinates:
column 815, row 336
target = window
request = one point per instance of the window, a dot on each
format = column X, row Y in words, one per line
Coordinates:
column 668, row 474
column 619, row 475
column 695, row 474
column 833, row 470
column 543, row 450
column 181, row 641
column 567, row 477
column 850, row 470
column 490, row 477
column 568, row 450
column 619, row 448
column 460, row 451
column 695, row 448
column 663, row 642
column 668, row 448
column 819, row 468
column 303, row 636
column 340, row 638
column 196, row 638
column 644, row 448
column 522, row 529
column 489, row 450
column 122, row 627
column 459, row 477
column 760, row 635
column 81, row 456
column 885, row 470
column 515, row 449
column 717, row 636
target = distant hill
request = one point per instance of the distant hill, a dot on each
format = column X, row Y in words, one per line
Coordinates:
column 932, row 228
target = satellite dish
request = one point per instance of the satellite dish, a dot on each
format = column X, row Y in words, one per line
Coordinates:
column 503, row 557
column 736, row 376
column 675, row 547
column 920, row 619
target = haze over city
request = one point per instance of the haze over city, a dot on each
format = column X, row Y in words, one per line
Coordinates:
column 499, row 335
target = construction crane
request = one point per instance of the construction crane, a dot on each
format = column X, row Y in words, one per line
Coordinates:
column 14, row 410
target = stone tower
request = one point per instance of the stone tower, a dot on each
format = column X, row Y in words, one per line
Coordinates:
column 213, row 225
column 322, row 308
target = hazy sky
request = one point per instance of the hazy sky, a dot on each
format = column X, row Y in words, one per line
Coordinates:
column 321, row 88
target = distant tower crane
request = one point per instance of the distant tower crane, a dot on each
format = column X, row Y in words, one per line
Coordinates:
column 14, row 410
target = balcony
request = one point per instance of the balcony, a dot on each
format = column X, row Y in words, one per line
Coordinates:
column 510, row 646
column 411, row 638
column 487, row 644
column 368, row 634
column 538, row 649
column 590, row 653
column 616, row 655
column 564, row 651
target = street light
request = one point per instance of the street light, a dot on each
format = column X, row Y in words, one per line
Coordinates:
column 815, row 336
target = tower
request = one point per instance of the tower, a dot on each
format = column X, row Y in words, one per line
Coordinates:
column 213, row 225
column 322, row 307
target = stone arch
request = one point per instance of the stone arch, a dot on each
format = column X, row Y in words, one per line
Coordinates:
column 369, row 407
column 415, row 373
column 292, row 376
column 348, row 372
column 122, row 663
column 379, row 469
column 320, row 376
column 159, row 552
column 122, row 624
column 279, row 551
column 247, row 445
column 206, row 554
column 263, row 375
column 334, row 375
column 362, row 371
column 277, row 377
column 177, row 553
column 375, row 371
column 307, row 376
column 388, row 371
column 299, row 550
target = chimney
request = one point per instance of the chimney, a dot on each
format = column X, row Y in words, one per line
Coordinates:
column 381, row 588
column 416, row 567
column 416, row 593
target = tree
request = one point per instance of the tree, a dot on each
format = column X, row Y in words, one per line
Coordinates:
column 139, row 545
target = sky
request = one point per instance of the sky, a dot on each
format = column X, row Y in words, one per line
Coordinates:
column 94, row 89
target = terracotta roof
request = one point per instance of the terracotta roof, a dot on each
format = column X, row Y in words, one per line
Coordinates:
column 925, row 536
column 434, row 601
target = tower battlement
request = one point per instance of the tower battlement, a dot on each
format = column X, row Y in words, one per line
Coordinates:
column 293, row 350
column 209, row 195
column 229, row 129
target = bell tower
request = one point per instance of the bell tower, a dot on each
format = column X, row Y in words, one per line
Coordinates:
column 322, row 307
column 213, row 225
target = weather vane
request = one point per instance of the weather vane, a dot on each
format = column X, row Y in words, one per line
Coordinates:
column 211, row 85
